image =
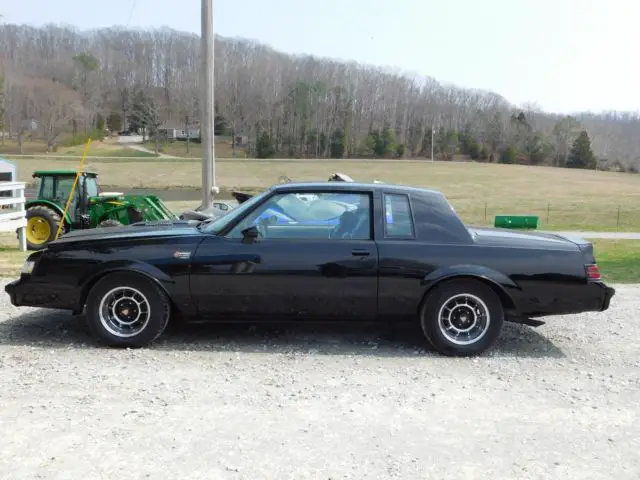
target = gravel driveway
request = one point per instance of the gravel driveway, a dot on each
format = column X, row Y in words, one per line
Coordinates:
column 560, row 401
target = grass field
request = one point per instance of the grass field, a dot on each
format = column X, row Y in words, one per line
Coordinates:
column 106, row 148
column 619, row 260
column 109, row 147
column 179, row 149
column 562, row 198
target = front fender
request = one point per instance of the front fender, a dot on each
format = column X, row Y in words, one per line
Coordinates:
column 499, row 281
column 154, row 274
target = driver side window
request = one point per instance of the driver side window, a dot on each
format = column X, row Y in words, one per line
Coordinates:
column 312, row 215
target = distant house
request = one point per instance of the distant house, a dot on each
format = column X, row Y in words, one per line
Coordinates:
column 176, row 132
column 29, row 125
column 242, row 140
column 168, row 133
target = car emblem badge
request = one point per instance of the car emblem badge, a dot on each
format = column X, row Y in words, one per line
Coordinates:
column 181, row 254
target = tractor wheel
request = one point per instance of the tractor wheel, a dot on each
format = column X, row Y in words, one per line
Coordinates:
column 109, row 223
column 42, row 225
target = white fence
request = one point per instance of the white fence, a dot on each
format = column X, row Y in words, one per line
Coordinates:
column 12, row 212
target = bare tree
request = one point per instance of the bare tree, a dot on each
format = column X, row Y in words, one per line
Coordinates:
column 55, row 105
column 306, row 105
column 3, row 105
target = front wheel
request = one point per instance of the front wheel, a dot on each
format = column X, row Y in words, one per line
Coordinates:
column 462, row 317
column 127, row 310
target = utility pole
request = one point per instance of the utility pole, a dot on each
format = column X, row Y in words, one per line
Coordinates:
column 207, row 123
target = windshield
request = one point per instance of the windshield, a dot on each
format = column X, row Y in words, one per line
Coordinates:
column 218, row 224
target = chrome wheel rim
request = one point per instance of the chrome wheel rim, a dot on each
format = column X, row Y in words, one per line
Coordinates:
column 124, row 312
column 464, row 319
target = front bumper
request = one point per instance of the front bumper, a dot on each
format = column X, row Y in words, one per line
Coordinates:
column 25, row 292
column 10, row 288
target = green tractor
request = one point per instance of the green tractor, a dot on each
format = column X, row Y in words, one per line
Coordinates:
column 88, row 208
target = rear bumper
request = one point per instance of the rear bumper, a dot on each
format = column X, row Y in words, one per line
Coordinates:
column 25, row 292
column 567, row 300
column 609, row 292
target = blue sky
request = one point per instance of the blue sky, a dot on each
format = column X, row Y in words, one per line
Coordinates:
column 563, row 55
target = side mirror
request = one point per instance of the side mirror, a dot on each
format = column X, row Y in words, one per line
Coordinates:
column 250, row 234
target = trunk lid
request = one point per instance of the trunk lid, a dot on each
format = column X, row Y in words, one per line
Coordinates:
column 545, row 240
column 540, row 241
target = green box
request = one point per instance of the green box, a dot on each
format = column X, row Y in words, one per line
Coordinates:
column 516, row 221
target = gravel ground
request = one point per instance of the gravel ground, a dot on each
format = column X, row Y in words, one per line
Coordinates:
column 560, row 401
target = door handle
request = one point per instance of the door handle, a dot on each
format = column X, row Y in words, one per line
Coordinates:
column 360, row 253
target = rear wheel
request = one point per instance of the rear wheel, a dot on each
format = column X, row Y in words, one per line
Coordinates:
column 127, row 310
column 42, row 225
column 462, row 317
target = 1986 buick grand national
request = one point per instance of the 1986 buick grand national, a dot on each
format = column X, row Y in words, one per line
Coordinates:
column 317, row 251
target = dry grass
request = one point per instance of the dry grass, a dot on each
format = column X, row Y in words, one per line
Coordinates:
column 108, row 147
column 11, row 258
column 28, row 146
column 99, row 148
column 178, row 148
column 563, row 198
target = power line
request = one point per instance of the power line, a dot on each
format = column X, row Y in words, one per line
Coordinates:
column 133, row 7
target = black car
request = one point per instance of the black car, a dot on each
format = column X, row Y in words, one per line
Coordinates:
column 348, row 251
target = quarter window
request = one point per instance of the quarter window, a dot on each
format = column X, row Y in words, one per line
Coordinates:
column 398, row 221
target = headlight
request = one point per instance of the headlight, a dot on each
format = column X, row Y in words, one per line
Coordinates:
column 27, row 267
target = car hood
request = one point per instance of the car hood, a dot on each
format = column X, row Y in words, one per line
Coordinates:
column 133, row 231
column 510, row 238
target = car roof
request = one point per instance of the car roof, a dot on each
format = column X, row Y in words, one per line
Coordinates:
column 348, row 186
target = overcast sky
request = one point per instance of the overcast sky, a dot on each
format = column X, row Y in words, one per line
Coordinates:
column 564, row 55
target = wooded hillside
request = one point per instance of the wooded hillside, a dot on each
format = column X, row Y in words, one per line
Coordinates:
column 286, row 105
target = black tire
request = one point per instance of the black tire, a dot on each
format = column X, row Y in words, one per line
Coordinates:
column 52, row 219
column 153, row 325
column 477, row 294
column 109, row 223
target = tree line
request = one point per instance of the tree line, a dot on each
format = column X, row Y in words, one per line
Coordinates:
column 285, row 105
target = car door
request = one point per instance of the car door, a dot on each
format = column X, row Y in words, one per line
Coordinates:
column 301, row 266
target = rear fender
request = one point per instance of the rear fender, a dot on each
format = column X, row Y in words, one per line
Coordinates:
column 585, row 246
column 500, row 283
column 157, row 276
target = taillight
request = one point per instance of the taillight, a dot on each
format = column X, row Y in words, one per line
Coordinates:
column 593, row 272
